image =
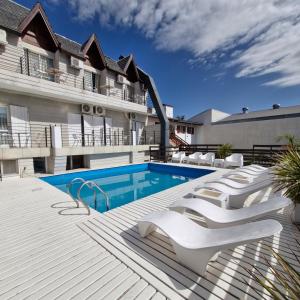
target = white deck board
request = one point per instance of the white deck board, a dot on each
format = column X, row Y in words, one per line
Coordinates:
column 47, row 255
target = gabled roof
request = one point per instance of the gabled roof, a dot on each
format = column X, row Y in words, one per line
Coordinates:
column 87, row 45
column 13, row 14
column 123, row 61
column 38, row 10
column 126, row 62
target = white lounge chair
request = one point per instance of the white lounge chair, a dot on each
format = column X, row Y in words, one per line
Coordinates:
column 237, row 196
column 178, row 156
column 193, row 158
column 256, row 167
column 234, row 160
column 241, row 184
column 248, row 172
column 195, row 245
column 207, row 159
column 217, row 217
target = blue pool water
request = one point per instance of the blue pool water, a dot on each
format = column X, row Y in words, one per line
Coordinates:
column 128, row 183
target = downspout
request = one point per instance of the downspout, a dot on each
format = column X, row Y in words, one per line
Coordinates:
column 153, row 92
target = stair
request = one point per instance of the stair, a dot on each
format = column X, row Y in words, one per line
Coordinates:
column 176, row 141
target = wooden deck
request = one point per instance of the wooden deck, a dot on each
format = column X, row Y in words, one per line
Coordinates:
column 50, row 250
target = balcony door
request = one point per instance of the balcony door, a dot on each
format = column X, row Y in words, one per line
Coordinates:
column 108, row 131
column 93, row 130
column 20, row 128
column 137, row 130
column 74, row 129
column 4, row 134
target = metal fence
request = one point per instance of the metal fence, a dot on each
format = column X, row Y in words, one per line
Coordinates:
column 25, row 135
column 260, row 154
column 72, row 137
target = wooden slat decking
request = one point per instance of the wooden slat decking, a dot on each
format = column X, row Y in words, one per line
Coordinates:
column 46, row 255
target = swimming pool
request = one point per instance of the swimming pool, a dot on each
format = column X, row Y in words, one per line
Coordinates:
column 126, row 184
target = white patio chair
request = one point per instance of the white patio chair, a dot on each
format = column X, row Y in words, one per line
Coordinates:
column 234, row 160
column 238, row 196
column 76, row 139
column 195, row 245
column 217, row 217
column 207, row 159
column 193, row 158
column 178, row 156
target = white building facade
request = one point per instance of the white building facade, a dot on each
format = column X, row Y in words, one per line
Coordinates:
column 65, row 105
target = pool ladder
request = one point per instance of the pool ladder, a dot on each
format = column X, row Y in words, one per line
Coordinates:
column 91, row 185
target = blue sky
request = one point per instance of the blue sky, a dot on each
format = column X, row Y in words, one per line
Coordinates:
column 224, row 56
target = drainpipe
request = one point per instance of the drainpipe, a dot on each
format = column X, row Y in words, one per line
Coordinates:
column 153, row 92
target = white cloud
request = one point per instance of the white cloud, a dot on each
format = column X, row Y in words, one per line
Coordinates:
column 264, row 35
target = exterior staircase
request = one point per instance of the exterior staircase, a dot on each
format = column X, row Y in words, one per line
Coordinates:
column 176, row 141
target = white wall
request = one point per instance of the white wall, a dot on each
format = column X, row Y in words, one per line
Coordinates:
column 246, row 134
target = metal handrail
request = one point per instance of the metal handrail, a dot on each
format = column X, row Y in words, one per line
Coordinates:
column 91, row 184
column 73, row 181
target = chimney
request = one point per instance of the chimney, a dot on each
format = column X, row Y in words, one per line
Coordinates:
column 245, row 110
column 276, row 106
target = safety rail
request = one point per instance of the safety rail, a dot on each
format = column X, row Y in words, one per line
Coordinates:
column 70, row 184
column 260, row 154
column 92, row 186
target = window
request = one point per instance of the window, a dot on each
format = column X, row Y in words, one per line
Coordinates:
column 37, row 65
column 130, row 93
column 3, row 119
column 181, row 129
column 190, row 130
column 89, row 81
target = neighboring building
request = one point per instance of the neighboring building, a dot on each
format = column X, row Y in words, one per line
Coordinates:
column 65, row 105
column 181, row 131
column 243, row 130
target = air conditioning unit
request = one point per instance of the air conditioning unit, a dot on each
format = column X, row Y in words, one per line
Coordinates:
column 3, row 37
column 76, row 63
column 87, row 109
column 99, row 110
column 120, row 79
column 132, row 116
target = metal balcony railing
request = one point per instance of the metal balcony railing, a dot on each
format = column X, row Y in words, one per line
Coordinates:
column 43, row 69
column 25, row 135
column 113, row 137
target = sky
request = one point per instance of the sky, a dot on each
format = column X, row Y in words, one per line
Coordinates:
column 202, row 54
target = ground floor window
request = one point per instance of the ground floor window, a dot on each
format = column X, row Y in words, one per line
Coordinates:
column 39, row 164
column 75, row 162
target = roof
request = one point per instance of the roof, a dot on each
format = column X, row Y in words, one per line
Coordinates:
column 281, row 112
column 123, row 62
column 12, row 14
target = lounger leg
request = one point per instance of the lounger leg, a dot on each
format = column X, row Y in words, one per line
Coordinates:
column 145, row 228
column 195, row 260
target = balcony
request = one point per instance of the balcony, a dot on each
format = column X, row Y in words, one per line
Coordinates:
column 36, row 140
column 17, row 83
column 42, row 76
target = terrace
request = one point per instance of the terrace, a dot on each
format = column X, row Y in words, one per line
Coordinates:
column 64, row 253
